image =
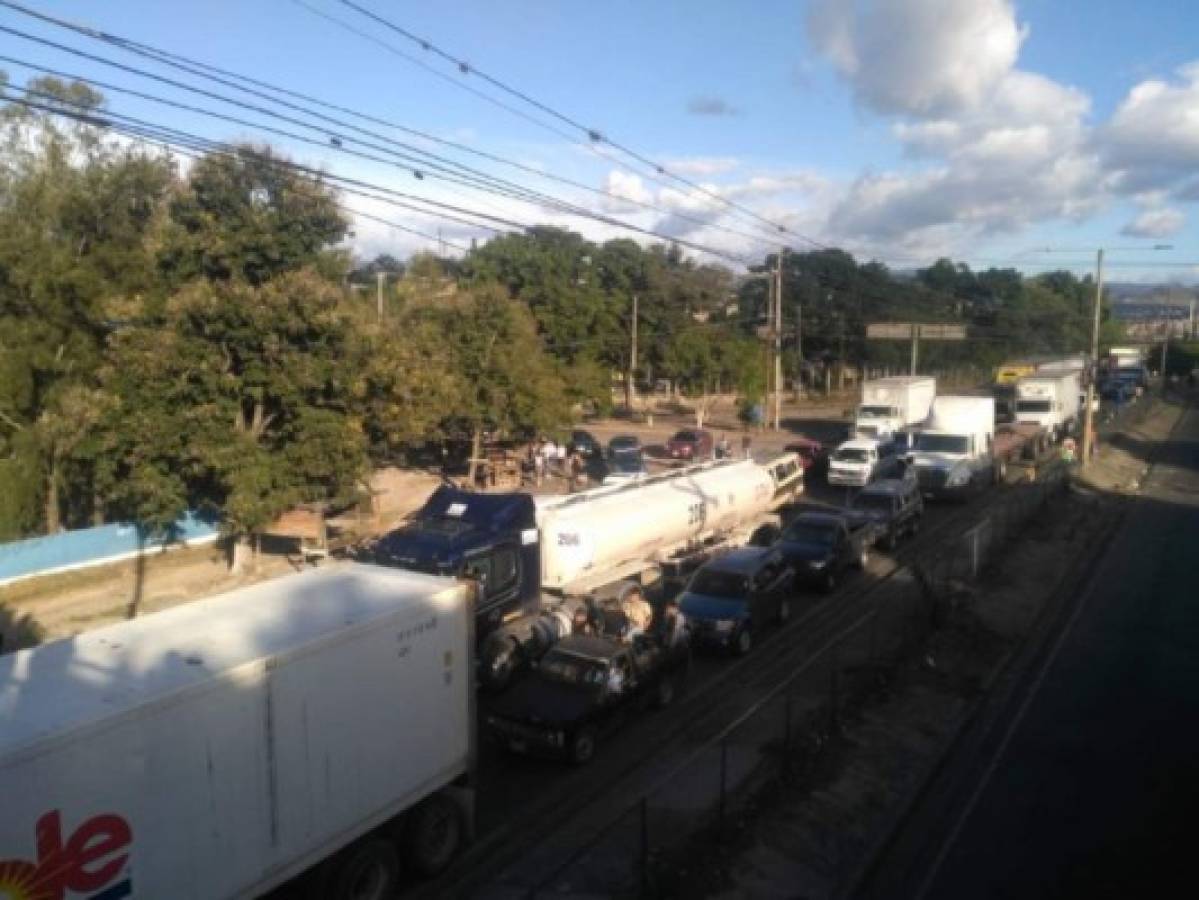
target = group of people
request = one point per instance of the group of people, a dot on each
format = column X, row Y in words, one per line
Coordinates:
column 545, row 456
column 631, row 618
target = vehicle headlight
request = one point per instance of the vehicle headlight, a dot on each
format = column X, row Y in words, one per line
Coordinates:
column 724, row 626
column 957, row 478
column 817, row 564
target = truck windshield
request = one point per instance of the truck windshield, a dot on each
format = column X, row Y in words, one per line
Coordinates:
column 715, row 583
column 851, row 454
column 1033, row 406
column 809, row 533
column 875, row 412
column 941, row 443
column 571, row 669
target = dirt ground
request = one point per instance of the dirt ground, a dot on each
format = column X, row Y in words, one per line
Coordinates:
column 807, row 838
column 57, row 606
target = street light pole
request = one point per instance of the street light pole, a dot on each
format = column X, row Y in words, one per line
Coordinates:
column 1088, row 419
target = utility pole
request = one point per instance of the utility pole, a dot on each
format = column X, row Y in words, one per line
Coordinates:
column 798, row 349
column 1165, row 347
column 629, row 388
column 915, row 345
column 379, row 276
column 1088, row 419
column 778, row 339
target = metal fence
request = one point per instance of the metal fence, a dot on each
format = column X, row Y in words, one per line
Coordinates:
column 781, row 734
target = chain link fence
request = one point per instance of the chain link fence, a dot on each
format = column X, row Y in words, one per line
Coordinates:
column 782, row 733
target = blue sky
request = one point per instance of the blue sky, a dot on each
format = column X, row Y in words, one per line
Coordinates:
column 902, row 130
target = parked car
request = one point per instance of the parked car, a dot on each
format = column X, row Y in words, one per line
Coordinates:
column 579, row 690
column 585, row 443
column 624, row 443
column 729, row 599
column 812, row 454
column 690, row 444
column 895, row 505
column 820, row 547
column 624, row 466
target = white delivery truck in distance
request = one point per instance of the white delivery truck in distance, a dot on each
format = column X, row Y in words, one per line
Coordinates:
column 322, row 721
column 891, row 404
column 953, row 453
column 1050, row 401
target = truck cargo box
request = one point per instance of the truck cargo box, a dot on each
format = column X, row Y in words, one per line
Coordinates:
column 218, row 748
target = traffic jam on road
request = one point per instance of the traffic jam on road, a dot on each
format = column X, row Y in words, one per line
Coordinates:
column 549, row 622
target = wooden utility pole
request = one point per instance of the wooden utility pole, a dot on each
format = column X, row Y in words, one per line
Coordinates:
column 629, row 387
column 379, row 276
column 798, row 349
column 915, row 346
column 1088, row 419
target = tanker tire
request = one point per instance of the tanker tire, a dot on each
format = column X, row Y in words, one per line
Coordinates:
column 366, row 870
column 434, row 832
column 582, row 747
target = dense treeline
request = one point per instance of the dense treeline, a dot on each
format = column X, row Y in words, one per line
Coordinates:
column 181, row 334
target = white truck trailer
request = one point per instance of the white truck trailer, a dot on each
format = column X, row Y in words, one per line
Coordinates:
column 953, row 453
column 892, row 404
column 1050, row 400
column 322, row 721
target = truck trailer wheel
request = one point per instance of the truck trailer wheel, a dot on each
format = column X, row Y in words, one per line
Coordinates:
column 366, row 870
column 433, row 833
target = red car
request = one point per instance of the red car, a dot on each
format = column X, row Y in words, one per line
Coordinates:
column 693, row 443
column 811, row 453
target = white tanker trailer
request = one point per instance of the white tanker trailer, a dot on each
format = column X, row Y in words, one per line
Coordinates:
column 538, row 559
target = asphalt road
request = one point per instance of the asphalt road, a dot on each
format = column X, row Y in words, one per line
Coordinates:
column 1091, row 786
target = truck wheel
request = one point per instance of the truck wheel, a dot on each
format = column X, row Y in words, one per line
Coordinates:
column 664, row 695
column 744, row 642
column 433, row 834
column 764, row 536
column 582, row 747
column 366, row 870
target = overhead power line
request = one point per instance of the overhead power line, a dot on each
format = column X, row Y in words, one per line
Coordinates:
column 424, row 157
column 592, row 134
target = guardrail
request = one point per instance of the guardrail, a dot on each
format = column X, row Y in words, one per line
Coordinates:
column 782, row 733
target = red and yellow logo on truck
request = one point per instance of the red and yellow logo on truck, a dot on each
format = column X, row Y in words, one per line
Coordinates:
column 91, row 863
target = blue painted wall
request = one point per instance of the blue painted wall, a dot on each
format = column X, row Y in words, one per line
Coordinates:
column 89, row 545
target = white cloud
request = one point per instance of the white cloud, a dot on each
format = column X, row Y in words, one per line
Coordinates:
column 625, row 186
column 1155, row 223
column 1152, row 139
column 922, row 57
column 703, row 166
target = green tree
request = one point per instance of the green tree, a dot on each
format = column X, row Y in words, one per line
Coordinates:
column 77, row 211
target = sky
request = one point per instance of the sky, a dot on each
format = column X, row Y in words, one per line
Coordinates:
column 1025, row 134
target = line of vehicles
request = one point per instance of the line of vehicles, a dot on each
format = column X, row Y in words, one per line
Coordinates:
column 325, row 723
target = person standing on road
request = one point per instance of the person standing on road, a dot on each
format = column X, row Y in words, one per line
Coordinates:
column 746, row 441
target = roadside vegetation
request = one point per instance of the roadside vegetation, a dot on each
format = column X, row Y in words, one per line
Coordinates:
column 181, row 333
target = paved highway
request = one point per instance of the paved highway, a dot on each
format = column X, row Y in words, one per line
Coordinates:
column 1091, row 783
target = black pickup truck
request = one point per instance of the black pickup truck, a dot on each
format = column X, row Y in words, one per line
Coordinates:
column 820, row 547
column 895, row 505
column 582, row 689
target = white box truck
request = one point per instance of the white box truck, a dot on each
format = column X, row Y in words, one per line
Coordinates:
column 1049, row 400
column 953, row 453
column 891, row 404
column 218, row 749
